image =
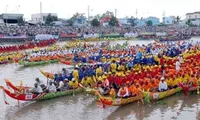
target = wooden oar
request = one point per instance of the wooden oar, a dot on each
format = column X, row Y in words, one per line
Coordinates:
column 198, row 88
column 73, row 90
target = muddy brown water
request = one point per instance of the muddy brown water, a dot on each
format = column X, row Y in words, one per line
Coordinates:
column 83, row 106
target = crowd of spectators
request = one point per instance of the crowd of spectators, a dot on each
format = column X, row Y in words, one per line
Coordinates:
column 28, row 30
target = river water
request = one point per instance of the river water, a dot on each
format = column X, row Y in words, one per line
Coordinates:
column 83, row 107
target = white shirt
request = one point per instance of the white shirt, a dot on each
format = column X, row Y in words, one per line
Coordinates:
column 119, row 93
column 162, row 85
column 39, row 89
column 180, row 59
column 52, row 88
column 177, row 65
column 39, row 83
column 61, row 85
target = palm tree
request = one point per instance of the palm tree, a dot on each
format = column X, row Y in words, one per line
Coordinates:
column 188, row 22
column 178, row 18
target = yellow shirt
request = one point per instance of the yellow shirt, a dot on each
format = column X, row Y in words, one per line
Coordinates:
column 83, row 82
column 73, row 84
column 76, row 75
column 89, row 80
column 103, row 60
column 100, row 79
column 113, row 67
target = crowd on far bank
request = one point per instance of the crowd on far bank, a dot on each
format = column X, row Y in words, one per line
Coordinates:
column 29, row 45
column 29, row 30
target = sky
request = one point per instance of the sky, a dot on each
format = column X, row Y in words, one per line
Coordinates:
column 66, row 8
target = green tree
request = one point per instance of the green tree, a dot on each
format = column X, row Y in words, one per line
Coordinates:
column 49, row 19
column 188, row 22
column 70, row 22
column 178, row 18
column 113, row 21
column 107, row 14
column 54, row 18
column 149, row 23
column 98, row 16
column 95, row 22
column 132, row 21
column 20, row 21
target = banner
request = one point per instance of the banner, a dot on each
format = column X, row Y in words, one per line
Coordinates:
column 14, row 37
column 161, row 34
column 130, row 35
column 90, row 36
column 112, row 35
column 1, row 35
column 68, row 35
column 46, row 37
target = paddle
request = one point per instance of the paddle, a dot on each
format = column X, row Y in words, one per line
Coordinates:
column 198, row 88
column 73, row 90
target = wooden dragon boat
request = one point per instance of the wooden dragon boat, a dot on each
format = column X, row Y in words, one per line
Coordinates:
column 47, row 74
column 28, row 64
column 117, row 101
column 15, row 88
column 40, row 97
column 152, row 96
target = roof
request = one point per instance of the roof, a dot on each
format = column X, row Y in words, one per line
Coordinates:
column 198, row 12
column 152, row 17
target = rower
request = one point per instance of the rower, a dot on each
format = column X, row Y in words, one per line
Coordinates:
column 112, row 92
column 51, row 88
column 83, row 59
column 66, row 84
column 113, row 66
column 64, row 72
column 61, row 85
column 162, row 85
column 37, row 89
column 106, row 82
column 75, row 73
column 40, row 83
column 123, row 92
column 178, row 64
column 73, row 84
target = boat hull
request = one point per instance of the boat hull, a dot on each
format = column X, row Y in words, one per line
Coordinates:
column 42, row 96
column 28, row 64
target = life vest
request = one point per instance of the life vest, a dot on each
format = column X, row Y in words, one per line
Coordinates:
column 122, row 91
column 106, row 83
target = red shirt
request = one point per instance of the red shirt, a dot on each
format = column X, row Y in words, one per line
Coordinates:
column 118, row 81
column 162, row 61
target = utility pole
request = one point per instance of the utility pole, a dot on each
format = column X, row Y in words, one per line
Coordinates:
column 88, row 13
column 116, row 13
column 41, row 19
column 163, row 17
column 136, row 13
column 6, row 16
column 18, row 6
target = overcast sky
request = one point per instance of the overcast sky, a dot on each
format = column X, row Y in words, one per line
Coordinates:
column 66, row 8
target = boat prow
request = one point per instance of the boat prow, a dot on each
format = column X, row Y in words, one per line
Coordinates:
column 118, row 101
column 41, row 96
column 47, row 74
column 15, row 88
column 18, row 96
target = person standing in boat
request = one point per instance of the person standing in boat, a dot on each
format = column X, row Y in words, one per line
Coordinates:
column 162, row 85
column 75, row 73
